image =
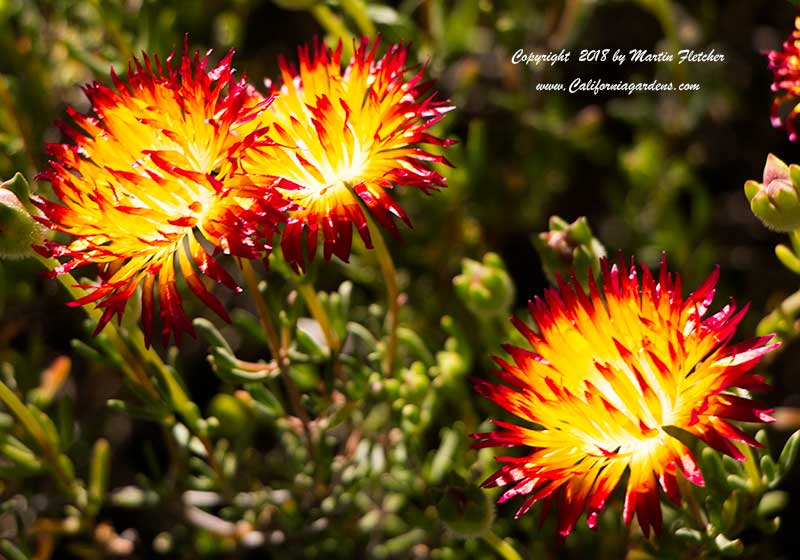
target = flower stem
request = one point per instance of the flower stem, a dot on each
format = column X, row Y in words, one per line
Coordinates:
column 358, row 11
column 251, row 281
column 314, row 305
column 692, row 510
column 131, row 367
column 23, row 130
column 135, row 374
column 750, row 465
column 34, row 428
column 392, row 293
column 181, row 402
column 500, row 546
column 334, row 25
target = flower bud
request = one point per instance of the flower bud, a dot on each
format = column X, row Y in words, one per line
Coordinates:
column 485, row 287
column 566, row 247
column 18, row 230
column 776, row 200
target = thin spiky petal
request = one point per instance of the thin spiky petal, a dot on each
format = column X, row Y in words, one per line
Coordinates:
column 609, row 371
column 149, row 174
column 339, row 139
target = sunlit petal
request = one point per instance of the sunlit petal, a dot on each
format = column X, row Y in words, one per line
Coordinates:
column 609, row 371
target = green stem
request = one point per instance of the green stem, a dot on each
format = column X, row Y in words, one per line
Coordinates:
column 750, row 466
column 180, row 400
column 392, row 293
column 314, row 305
column 333, row 24
column 500, row 546
column 251, row 281
column 693, row 511
column 136, row 375
column 16, row 116
column 29, row 422
column 358, row 11
column 568, row 19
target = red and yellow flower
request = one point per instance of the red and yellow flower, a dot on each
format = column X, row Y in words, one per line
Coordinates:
column 785, row 66
column 339, row 136
column 608, row 372
column 150, row 175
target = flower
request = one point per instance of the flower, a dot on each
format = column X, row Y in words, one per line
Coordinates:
column 485, row 287
column 151, row 174
column 568, row 246
column 609, row 372
column 339, row 136
column 785, row 66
